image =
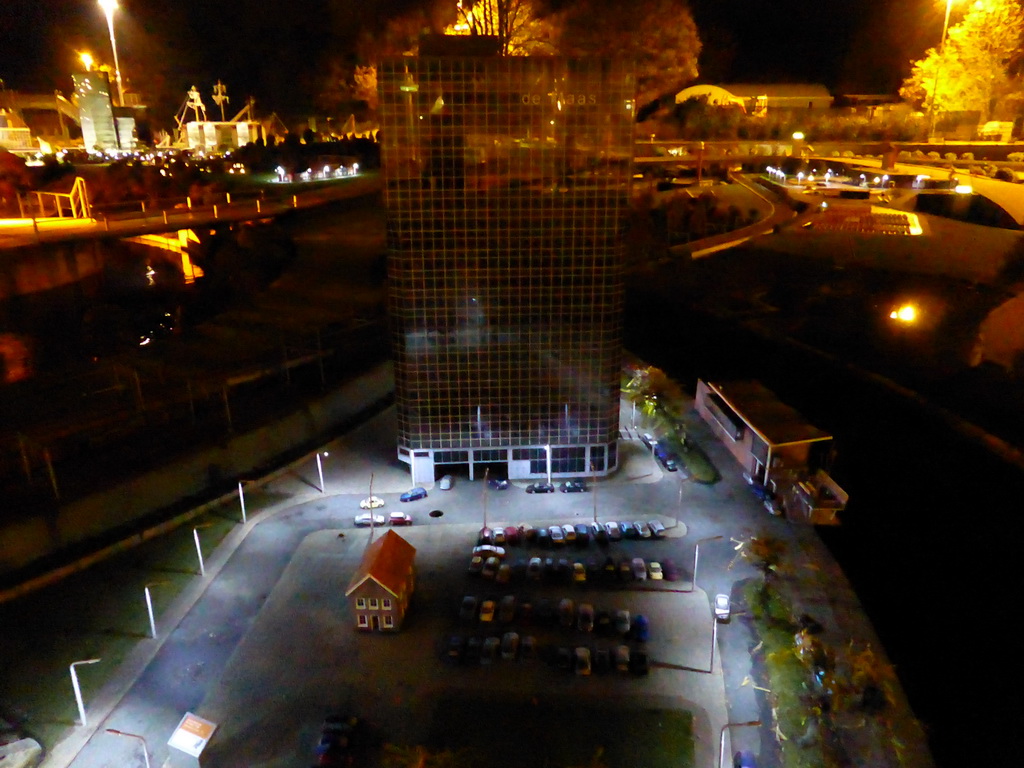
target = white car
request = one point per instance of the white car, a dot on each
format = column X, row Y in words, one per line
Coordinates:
column 722, row 607
column 374, row 502
column 368, row 519
column 447, row 482
column 654, row 571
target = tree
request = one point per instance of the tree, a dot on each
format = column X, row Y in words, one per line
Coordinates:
column 518, row 24
column 659, row 35
column 977, row 66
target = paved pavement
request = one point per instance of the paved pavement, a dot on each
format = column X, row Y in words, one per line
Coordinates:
column 273, row 591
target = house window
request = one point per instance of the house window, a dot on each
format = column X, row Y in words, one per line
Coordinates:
column 363, row 621
column 386, row 603
column 360, row 603
column 374, row 604
column 389, row 623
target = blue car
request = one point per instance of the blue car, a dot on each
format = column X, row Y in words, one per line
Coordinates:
column 413, row 494
column 668, row 460
column 641, row 629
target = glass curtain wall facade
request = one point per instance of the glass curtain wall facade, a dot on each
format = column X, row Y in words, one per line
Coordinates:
column 507, row 181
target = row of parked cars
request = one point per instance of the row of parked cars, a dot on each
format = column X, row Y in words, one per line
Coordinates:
column 580, row 659
column 580, row 534
column 546, row 612
column 490, row 562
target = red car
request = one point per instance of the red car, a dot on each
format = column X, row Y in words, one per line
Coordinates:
column 512, row 535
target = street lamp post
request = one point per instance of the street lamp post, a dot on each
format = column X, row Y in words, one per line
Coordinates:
column 78, row 690
column 721, row 737
column 938, row 67
column 696, row 559
column 109, row 6
column 145, row 748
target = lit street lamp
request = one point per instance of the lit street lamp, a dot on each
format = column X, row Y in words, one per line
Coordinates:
column 78, row 690
column 938, row 66
column 109, row 6
column 696, row 559
column 145, row 749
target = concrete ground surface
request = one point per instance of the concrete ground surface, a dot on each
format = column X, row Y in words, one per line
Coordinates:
column 263, row 644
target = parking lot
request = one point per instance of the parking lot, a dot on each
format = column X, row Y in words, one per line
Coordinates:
column 408, row 688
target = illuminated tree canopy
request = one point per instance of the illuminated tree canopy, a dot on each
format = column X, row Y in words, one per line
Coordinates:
column 516, row 23
column 977, row 68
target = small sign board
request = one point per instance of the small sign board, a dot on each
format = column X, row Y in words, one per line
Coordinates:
column 192, row 734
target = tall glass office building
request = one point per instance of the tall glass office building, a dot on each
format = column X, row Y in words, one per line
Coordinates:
column 507, row 180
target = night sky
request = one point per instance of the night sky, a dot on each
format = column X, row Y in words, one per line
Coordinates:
column 277, row 50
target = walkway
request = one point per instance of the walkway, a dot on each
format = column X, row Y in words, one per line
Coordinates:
column 17, row 233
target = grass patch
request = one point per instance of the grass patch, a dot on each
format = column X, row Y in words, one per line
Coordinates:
column 563, row 732
column 786, row 675
column 98, row 613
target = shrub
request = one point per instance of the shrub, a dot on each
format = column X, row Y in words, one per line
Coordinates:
column 1015, row 157
column 951, row 156
column 835, row 153
column 968, row 156
column 848, row 153
column 919, row 154
column 903, row 155
column 934, row 155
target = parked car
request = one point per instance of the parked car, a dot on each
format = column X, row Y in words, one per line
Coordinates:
column 400, row 518
column 497, row 484
column 476, row 564
column 657, row 529
column 540, row 488
column 489, row 550
column 668, row 460
column 566, row 612
column 569, row 532
column 333, row 747
column 557, row 534
column 639, row 664
column 543, row 537
column 472, row 654
column 527, row 533
column 642, row 529
column 371, row 502
column 487, row 611
column 489, row 652
column 413, row 494
column 456, row 647
column 622, row 658
column 582, row 666
column 641, row 629
column 574, row 486
column 519, row 569
column 654, row 571
column 504, row 574
column 368, row 518
column 564, row 657
column 582, row 534
column 533, row 569
column 507, row 609
column 579, row 573
column 490, row 569
column 610, row 568
column 744, row 759
column 486, row 536
column 585, row 618
column 639, row 569
column 722, row 607
column 446, row 483
column 563, row 570
column 614, row 532
column 467, row 612
column 671, row 572
column 648, row 439
column 628, row 531
column 621, row 621
column 602, row 659
column 499, row 535
column 625, row 569
column 512, row 535
column 602, row 622
column 509, row 646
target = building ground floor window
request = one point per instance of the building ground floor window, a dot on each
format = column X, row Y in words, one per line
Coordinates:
column 513, row 462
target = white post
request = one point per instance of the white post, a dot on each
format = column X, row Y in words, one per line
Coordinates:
column 241, row 500
column 145, row 747
column 149, row 609
column 548, row 449
column 714, row 642
column 320, row 472
column 78, row 690
column 199, row 552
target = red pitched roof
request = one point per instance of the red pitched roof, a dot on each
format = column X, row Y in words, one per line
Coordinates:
column 387, row 561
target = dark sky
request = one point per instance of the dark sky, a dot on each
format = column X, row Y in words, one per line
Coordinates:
column 276, row 50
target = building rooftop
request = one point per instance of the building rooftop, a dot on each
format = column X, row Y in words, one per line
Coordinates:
column 387, row 561
column 759, row 406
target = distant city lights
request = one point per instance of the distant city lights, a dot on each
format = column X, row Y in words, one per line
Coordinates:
column 907, row 314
